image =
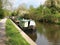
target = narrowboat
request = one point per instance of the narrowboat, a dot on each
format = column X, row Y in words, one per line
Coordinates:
column 27, row 24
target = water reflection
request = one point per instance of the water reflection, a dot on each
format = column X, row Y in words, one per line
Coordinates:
column 32, row 34
column 46, row 34
column 53, row 34
column 50, row 33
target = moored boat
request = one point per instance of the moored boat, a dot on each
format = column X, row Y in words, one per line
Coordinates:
column 27, row 24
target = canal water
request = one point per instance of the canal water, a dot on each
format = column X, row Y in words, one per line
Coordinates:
column 46, row 34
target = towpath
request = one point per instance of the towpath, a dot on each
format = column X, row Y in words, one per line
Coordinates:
column 2, row 31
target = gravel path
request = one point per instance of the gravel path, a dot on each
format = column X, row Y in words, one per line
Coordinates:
column 2, row 31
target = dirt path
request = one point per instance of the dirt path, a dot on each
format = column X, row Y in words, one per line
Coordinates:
column 2, row 31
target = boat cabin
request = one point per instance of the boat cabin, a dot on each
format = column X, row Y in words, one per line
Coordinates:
column 30, row 24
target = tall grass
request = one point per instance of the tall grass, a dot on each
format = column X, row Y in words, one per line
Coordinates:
column 13, row 35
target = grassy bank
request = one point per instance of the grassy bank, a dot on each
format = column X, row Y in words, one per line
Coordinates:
column 14, row 37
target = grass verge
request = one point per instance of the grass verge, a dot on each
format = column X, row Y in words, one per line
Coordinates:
column 13, row 35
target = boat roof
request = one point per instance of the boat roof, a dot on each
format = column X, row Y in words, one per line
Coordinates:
column 26, row 20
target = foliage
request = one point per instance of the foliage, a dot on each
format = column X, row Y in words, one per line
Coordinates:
column 1, row 10
column 53, row 5
column 48, row 12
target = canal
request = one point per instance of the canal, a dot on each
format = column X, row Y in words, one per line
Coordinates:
column 46, row 34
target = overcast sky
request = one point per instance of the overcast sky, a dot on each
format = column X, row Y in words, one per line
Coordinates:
column 35, row 3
